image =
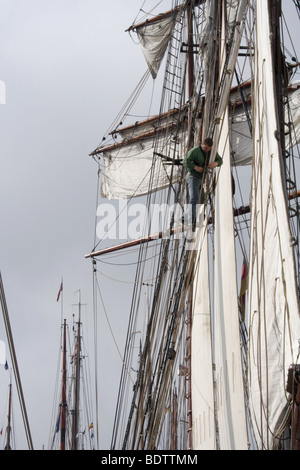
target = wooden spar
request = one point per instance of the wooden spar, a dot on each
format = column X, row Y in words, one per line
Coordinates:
column 294, row 195
column 174, row 422
column 154, row 119
column 159, row 235
column 234, row 104
column 153, row 20
column 235, row 89
column 133, row 139
column 191, row 75
column 131, row 243
column 161, row 16
column 63, row 405
column 147, row 121
column 8, row 429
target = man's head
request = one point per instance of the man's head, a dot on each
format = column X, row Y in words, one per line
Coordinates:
column 207, row 144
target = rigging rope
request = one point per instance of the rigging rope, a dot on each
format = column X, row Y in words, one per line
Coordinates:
column 152, row 320
column 110, row 327
column 15, row 364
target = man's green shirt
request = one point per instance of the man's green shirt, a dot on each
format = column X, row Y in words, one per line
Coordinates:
column 197, row 157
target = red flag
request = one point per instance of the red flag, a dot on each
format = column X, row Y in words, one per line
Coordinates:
column 60, row 289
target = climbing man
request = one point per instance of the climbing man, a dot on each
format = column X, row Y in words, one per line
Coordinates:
column 197, row 163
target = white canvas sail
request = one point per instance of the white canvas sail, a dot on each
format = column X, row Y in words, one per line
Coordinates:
column 135, row 168
column 294, row 116
column 127, row 164
column 231, row 411
column 240, row 135
column 273, row 309
column 154, row 38
column 229, row 377
column 230, row 394
column 203, row 429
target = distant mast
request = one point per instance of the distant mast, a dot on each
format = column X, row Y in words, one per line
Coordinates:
column 75, row 422
column 8, row 429
column 63, row 405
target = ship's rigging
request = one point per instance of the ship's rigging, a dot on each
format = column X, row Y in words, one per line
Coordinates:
column 16, row 372
column 222, row 91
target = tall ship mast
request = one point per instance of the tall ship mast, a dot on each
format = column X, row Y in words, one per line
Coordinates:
column 63, row 404
column 72, row 423
column 8, row 428
column 76, row 383
column 217, row 359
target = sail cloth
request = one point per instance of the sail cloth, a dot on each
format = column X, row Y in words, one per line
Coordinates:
column 142, row 162
column 229, row 376
column 128, row 164
column 272, row 300
column 230, row 407
column 293, row 114
column 240, row 134
column 154, row 36
column 132, row 167
column 203, row 429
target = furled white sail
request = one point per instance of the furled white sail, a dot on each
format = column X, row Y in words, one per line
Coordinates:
column 139, row 167
column 127, row 165
column 231, row 411
column 240, row 135
column 293, row 115
column 202, row 378
column 229, row 377
column 154, row 38
column 203, row 429
column 272, row 301
column 230, row 406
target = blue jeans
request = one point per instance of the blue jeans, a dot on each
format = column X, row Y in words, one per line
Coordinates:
column 194, row 186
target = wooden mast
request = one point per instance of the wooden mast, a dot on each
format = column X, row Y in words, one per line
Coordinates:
column 8, row 429
column 174, row 422
column 191, row 77
column 63, row 405
column 75, row 421
column 191, row 89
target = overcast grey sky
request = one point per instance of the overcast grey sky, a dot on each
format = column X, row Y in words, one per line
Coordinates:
column 68, row 67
